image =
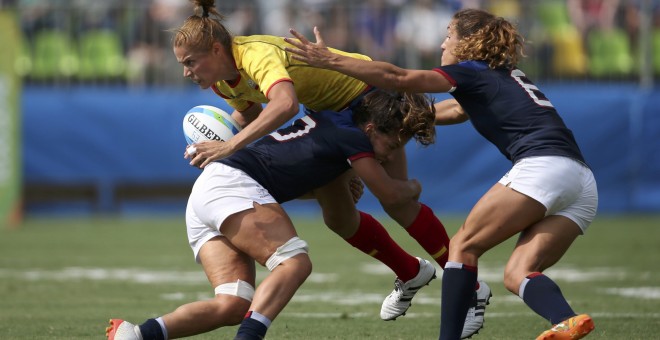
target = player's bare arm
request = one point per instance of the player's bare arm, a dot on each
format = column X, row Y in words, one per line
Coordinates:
column 390, row 192
column 377, row 73
column 448, row 112
column 283, row 106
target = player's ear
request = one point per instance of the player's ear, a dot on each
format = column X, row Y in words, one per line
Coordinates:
column 216, row 48
column 368, row 128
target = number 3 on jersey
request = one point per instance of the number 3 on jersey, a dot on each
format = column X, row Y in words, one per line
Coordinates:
column 298, row 129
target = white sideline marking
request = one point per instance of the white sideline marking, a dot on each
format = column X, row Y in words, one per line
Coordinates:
column 637, row 292
column 137, row 275
column 488, row 315
column 487, row 272
column 340, row 297
column 495, row 273
column 425, row 296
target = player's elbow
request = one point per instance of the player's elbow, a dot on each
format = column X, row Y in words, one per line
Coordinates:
column 288, row 105
column 292, row 106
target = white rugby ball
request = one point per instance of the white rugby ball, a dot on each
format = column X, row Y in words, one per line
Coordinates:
column 205, row 122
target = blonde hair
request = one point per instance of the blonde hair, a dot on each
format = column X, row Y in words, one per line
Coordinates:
column 483, row 36
column 200, row 30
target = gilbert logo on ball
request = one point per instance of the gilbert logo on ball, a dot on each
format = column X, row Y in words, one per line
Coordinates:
column 205, row 122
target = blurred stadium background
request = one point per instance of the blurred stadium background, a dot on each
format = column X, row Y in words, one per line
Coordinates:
column 92, row 97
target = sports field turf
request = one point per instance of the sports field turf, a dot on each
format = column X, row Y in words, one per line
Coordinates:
column 64, row 278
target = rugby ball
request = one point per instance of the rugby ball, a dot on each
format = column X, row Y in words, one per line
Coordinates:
column 205, row 122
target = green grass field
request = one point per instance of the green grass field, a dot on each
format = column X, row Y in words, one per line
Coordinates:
column 64, row 278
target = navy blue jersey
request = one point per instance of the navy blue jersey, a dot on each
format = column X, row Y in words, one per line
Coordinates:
column 310, row 153
column 510, row 111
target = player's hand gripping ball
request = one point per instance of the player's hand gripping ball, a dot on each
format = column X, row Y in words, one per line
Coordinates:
column 205, row 122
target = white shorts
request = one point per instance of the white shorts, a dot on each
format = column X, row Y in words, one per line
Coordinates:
column 219, row 192
column 564, row 186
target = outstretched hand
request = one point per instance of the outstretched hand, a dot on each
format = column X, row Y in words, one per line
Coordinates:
column 315, row 54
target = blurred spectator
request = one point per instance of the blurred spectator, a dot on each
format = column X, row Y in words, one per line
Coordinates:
column 310, row 13
column 36, row 15
column 421, row 29
column 403, row 32
column 608, row 45
column 631, row 17
column 459, row 4
column 150, row 56
column 8, row 4
column 242, row 17
column 589, row 14
column 374, row 23
column 276, row 16
column 335, row 25
column 508, row 9
column 97, row 14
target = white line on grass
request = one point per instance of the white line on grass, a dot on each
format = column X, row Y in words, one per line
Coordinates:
column 494, row 273
column 495, row 315
column 487, row 272
column 137, row 275
column 637, row 292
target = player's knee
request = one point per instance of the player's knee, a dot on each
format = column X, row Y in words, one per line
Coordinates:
column 513, row 277
column 304, row 266
column 232, row 301
column 291, row 248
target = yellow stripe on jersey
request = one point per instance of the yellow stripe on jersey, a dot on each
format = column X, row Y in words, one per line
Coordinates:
column 262, row 62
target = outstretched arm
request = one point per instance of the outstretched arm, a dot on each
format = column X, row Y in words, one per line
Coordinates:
column 377, row 73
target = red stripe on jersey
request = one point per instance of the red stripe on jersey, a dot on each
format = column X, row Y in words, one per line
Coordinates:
column 277, row 82
column 235, row 82
column 215, row 89
column 447, row 76
column 361, row 155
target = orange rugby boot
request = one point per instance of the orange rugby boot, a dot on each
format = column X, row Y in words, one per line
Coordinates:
column 574, row 328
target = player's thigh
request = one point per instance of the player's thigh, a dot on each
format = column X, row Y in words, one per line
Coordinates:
column 539, row 247
column 336, row 201
column 258, row 232
column 500, row 214
column 224, row 263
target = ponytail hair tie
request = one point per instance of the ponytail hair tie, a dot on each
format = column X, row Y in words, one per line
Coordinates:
column 205, row 13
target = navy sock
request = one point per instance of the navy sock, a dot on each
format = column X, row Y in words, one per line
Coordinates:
column 458, row 282
column 251, row 328
column 151, row 330
column 544, row 297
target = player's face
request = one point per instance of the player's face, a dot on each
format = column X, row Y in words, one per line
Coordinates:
column 448, row 57
column 385, row 144
column 206, row 68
